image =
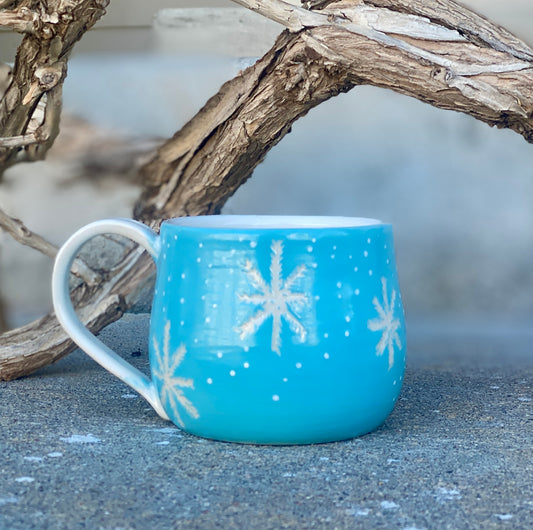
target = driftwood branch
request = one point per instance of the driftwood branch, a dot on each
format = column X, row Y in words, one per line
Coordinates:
column 463, row 64
column 51, row 29
column 440, row 53
column 16, row 229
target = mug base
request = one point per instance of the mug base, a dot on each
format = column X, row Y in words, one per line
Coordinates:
column 289, row 439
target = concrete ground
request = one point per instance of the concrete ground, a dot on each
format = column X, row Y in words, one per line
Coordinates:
column 81, row 450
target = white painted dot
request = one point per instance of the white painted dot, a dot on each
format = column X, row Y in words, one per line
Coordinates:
column 219, row 354
column 246, row 365
column 164, row 293
column 201, row 245
column 339, row 296
column 339, row 284
column 370, row 273
column 232, row 373
column 175, row 238
column 209, row 381
column 317, row 297
column 298, row 365
column 385, row 246
column 388, row 261
column 198, row 260
column 195, row 341
column 275, row 397
column 182, row 323
column 357, row 292
column 326, row 335
column 246, row 349
column 395, row 383
column 309, row 248
column 164, row 309
column 346, row 333
column 347, row 318
column 365, row 254
column 207, row 320
column 333, row 256
column 285, row 379
column 369, row 241
column 183, row 276
column 210, row 266
column 169, row 278
column 355, row 269
column 334, row 247
column 253, row 244
column 202, row 297
column 350, row 256
column 326, row 356
column 314, row 265
column 182, row 300
column 313, row 240
column 164, row 255
column 214, row 306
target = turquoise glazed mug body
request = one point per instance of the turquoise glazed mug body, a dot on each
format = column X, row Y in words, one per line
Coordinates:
column 264, row 329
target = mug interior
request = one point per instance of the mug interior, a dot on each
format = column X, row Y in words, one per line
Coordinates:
column 272, row 221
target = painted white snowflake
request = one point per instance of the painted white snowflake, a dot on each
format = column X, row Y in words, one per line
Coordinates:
column 278, row 300
column 386, row 323
column 172, row 385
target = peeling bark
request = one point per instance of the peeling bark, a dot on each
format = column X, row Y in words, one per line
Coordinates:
column 50, row 31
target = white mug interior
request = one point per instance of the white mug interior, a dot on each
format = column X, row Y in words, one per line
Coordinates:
column 272, row 221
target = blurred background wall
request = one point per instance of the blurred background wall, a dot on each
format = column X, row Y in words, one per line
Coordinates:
column 459, row 194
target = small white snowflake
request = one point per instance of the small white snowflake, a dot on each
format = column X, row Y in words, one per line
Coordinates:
column 277, row 300
column 386, row 323
column 172, row 385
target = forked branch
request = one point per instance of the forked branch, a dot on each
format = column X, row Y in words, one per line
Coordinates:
column 51, row 29
column 21, row 233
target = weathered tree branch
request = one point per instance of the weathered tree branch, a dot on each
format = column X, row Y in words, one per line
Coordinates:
column 442, row 54
column 22, row 234
column 472, row 69
column 40, row 68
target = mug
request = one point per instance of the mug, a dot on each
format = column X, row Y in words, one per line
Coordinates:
column 264, row 329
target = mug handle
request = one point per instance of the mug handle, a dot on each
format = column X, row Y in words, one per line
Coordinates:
column 70, row 321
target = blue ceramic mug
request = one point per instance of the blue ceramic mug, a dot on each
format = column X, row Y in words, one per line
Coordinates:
column 264, row 329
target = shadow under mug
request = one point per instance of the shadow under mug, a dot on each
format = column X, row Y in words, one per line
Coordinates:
column 264, row 329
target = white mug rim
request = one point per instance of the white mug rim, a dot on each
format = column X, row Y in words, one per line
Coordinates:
column 272, row 222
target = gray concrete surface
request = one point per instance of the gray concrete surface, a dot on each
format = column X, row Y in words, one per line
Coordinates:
column 80, row 450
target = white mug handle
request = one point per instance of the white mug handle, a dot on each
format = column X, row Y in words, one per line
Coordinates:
column 67, row 317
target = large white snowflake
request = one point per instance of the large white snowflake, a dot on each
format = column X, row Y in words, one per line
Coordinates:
column 386, row 323
column 277, row 300
column 172, row 385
